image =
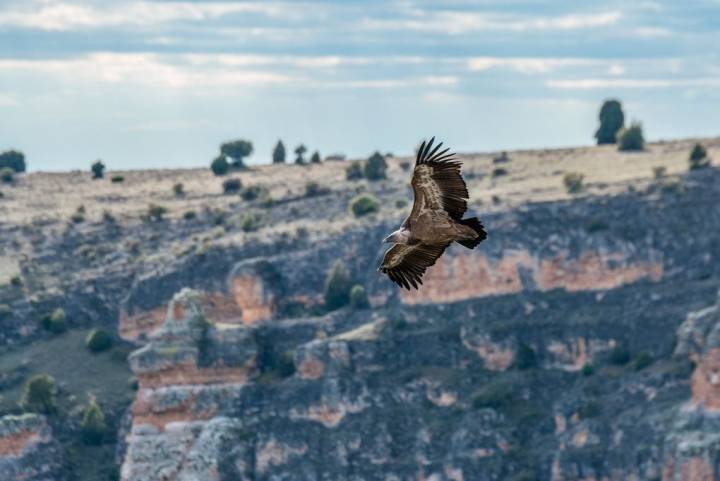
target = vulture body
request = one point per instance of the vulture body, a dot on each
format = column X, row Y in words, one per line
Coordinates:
column 435, row 220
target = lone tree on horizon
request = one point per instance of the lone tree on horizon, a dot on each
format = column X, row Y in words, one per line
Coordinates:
column 299, row 152
column 315, row 158
column 612, row 120
column 98, row 169
column 278, row 154
column 237, row 150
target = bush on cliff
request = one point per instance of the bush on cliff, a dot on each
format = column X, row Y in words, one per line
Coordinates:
column 7, row 175
column 93, row 427
column 364, row 204
column 375, row 167
column 231, row 186
column 220, row 165
column 642, row 360
column 337, row 287
column 631, row 139
column 156, row 213
column 98, row 340
column 39, row 395
column 526, row 358
column 573, row 182
column 619, row 355
column 358, row 297
column 354, row 171
column 698, row 158
column 55, row 322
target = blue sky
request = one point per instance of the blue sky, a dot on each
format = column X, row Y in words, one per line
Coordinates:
column 146, row 84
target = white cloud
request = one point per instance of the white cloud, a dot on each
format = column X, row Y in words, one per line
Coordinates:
column 525, row 65
column 59, row 16
column 143, row 69
column 453, row 22
column 616, row 70
column 629, row 83
column 651, row 32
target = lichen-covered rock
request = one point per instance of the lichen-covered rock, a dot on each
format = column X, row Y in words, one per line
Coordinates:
column 28, row 451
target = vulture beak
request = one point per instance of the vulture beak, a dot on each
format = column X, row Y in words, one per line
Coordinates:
column 386, row 240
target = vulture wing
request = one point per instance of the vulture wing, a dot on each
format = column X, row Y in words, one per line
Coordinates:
column 437, row 183
column 406, row 264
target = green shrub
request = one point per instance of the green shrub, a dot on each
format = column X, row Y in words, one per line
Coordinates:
column 108, row 216
column 250, row 222
column 313, row 189
column 642, row 360
column 7, row 175
column 364, row 204
column 190, row 215
column 38, row 395
column 354, row 171
column 98, row 340
column 55, row 322
column 358, row 297
column 698, row 158
column 619, row 355
column 597, row 225
column 499, row 172
column 375, row 167
column 401, row 203
column 179, row 190
column 587, row 370
column 315, row 158
column 278, row 154
column 156, row 213
column 337, row 286
column 612, row 120
column 117, row 179
column 13, row 159
column 16, row 281
column 573, row 182
column 285, row 364
column 526, row 358
column 79, row 216
column 220, row 165
column 93, row 427
column 659, row 172
column 255, row 192
column 231, row 186
column 5, row 311
column 97, row 169
column 631, row 139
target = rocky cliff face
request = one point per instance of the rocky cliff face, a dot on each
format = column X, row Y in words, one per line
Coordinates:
column 577, row 343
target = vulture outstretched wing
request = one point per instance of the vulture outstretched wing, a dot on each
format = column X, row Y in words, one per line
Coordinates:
column 406, row 264
column 437, row 183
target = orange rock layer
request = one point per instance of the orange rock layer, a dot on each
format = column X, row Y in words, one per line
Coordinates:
column 15, row 444
column 472, row 274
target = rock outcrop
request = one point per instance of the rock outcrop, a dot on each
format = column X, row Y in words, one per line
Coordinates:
column 28, row 451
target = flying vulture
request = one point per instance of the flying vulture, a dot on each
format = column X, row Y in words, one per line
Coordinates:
column 435, row 220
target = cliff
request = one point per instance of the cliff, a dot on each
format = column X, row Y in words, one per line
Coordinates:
column 577, row 343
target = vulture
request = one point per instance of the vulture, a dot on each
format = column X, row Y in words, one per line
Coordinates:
column 435, row 221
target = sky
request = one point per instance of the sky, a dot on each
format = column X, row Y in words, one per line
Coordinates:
column 155, row 84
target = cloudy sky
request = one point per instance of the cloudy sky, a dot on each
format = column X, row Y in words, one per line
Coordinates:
column 161, row 83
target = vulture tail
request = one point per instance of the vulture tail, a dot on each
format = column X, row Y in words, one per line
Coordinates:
column 474, row 224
